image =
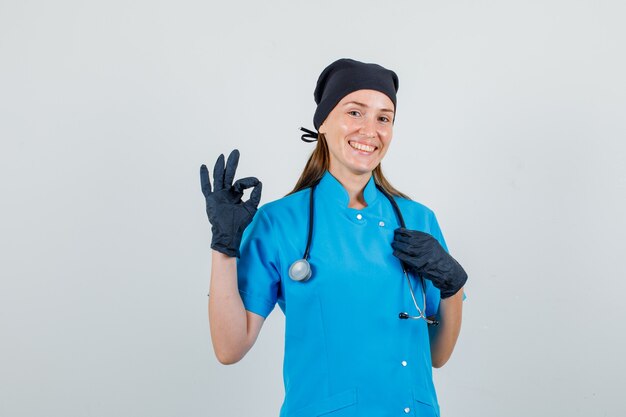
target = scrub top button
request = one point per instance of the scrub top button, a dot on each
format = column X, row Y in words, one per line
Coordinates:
column 359, row 216
column 403, row 363
column 381, row 224
column 407, row 410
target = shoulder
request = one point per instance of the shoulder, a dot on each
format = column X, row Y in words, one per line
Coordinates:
column 413, row 207
column 278, row 216
column 417, row 215
column 285, row 206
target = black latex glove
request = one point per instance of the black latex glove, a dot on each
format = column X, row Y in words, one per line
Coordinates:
column 423, row 255
column 228, row 214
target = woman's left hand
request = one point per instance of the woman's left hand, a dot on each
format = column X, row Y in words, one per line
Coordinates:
column 423, row 255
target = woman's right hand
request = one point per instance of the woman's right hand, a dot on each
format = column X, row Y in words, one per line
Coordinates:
column 228, row 214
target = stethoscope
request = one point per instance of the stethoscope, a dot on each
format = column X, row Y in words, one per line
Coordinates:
column 300, row 270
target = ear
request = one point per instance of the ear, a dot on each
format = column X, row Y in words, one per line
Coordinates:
column 321, row 129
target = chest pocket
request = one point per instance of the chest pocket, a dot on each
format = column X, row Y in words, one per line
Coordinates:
column 338, row 405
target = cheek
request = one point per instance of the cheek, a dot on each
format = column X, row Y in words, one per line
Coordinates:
column 385, row 138
column 337, row 127
column 344, row 127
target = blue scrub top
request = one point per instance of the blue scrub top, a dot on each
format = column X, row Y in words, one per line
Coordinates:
column 346, row 351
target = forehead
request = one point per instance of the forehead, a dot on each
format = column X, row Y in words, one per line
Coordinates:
column 370, row 98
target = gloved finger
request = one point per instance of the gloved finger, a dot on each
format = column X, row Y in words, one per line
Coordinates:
column 414, row 251
column 402, row 234
column 404, row 237
column 255, row 196
column 205, row 181
column 404, row 257
column 414, row 237
column 231, row 167
column 395, row 244
column 245, row 183
column 218, row 173
column 416, row 263
column 401, row 231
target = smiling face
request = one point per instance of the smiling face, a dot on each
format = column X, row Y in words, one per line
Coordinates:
column 358, row 132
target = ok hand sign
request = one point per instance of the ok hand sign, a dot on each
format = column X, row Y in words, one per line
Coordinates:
column 228, row 214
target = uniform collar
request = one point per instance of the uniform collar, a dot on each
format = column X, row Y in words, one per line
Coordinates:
column 330, row 189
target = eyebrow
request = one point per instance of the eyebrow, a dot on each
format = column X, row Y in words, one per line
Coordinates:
column 365, row 105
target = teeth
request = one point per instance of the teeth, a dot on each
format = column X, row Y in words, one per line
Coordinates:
column 362, row 147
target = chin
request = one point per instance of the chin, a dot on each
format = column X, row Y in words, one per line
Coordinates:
column 362, row 170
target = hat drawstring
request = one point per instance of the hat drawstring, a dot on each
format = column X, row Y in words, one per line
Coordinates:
column 308, row 134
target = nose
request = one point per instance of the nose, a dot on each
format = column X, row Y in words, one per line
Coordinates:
column 368, row 127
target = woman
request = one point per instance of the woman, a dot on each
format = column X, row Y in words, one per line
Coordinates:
column 349, row 348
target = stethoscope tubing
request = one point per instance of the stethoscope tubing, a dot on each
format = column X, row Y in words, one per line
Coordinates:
column 300, row 270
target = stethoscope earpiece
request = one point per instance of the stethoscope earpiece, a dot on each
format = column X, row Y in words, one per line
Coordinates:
column 300, row 270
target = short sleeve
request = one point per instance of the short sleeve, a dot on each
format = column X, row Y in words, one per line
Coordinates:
column 433, row 296
column 257, row 266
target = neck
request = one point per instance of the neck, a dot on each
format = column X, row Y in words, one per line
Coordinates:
column 354, row 185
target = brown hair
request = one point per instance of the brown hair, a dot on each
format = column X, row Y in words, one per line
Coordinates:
column 319, row 162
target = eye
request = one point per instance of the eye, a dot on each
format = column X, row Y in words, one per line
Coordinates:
column 354, row 113
column 384, row 119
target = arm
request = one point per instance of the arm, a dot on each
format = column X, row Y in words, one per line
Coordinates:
column 424, row 255
column 233, row 329
column 444, row 336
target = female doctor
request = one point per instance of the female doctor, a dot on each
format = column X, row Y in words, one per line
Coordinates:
column 372, row 299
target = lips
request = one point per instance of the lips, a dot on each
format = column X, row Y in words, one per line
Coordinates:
column 362, row 147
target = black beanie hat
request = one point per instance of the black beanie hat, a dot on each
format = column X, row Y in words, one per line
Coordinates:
column 345, row 76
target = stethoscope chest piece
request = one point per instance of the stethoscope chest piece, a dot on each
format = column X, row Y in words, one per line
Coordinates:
column 300, row 270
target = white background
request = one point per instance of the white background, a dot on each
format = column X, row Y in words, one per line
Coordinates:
column 510, row 126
